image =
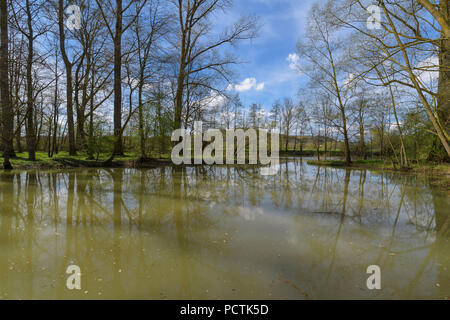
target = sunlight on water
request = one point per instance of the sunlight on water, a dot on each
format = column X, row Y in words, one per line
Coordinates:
column 222, row 233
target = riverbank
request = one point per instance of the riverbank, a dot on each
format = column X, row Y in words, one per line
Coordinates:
column 439, row 171
column 310, row 153
column 64, row 161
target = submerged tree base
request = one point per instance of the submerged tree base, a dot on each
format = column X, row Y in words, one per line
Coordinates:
column 7, row 165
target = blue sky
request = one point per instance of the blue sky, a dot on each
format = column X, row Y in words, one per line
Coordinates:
column 283, row 22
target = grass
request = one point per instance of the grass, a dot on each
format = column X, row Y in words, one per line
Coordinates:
column 62, row 160
column 356, row 163
column 44, row 161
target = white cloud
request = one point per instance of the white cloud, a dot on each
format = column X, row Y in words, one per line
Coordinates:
column 260, row 87
column 247, row 85
column 294, row 62
column 261, row 114
column 213, row 100
column 428, row 70
column 350, row 81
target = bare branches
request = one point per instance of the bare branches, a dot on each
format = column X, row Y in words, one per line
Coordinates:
column 443, row 22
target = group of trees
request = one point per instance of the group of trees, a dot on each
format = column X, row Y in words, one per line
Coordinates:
column 379, row 81
column 386, row 76
column 382, row 90
column 79, row 74
column 133, row 71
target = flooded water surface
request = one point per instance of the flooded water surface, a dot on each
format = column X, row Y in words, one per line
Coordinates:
column 222, row 233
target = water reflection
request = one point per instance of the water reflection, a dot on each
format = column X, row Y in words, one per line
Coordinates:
column 221, row 232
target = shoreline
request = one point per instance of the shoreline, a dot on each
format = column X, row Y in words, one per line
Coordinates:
column 61, row 163
column 439, row 172
column 442, row 169
column 70, row 163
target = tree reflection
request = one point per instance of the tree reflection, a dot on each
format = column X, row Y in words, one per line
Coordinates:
column 177, row 232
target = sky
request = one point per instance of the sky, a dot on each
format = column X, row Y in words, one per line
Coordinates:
column 268, row 72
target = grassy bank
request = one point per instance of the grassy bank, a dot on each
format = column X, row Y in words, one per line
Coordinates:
column 373, row 164
column 440, row 171
column 385, row 165
column 310, row 153
column 63, row 160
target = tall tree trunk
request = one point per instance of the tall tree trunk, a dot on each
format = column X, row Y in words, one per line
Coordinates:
column 48, row 142
column 18, row 132
column 118, row 146
column 362, row 142
column 179, row 98
column 85, row 100
column 403, row 156
column 69, row 85
column 180, row 81
column 7, row 109
column 76, row 99
column 90, row 146
column 295, row 140
column 287, row 140
column 31, row 136
column 438, row 152
column 80, row 129
column 81, row 107
column 141, row 118
column 348, row 159
column 444, row 73
column 55, row 111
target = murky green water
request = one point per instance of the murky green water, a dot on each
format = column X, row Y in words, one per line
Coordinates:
column 222, row 233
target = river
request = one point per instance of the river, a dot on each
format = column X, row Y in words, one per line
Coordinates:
column 223, row 233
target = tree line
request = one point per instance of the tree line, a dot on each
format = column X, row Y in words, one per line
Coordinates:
column 78, row 74
column 376, row 79
column 131, row 72
column 383, row 72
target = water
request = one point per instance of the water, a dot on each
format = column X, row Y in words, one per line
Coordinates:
column 222, row 233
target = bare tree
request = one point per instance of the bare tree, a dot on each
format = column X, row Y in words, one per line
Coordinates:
column 407, row 40
column 69, row 78
column 197, row 53
column 118, row 13
column 24, row 22
column 147, row 32
column 324, row 52
column 287, row 113
column 7, row 108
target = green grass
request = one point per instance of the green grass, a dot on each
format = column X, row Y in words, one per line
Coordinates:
column 340, row 163
column 42, row 159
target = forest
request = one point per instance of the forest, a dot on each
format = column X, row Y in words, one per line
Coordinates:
column 99, row 80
